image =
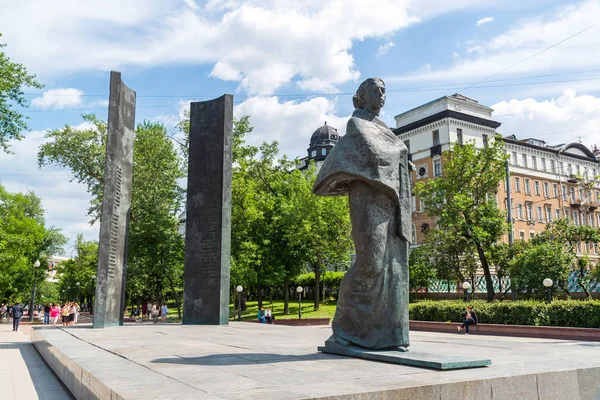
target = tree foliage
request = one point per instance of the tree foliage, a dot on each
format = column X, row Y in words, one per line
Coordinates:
column 570, row 237
column 13, row 78
column 463, row 198
column 421, row 269
column 24, row 238
column 537, row 262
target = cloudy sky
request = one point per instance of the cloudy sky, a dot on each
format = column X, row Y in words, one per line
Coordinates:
column 293, row 64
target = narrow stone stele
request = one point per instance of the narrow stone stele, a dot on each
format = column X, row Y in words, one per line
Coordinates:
column 109, row 303
column 208, row 213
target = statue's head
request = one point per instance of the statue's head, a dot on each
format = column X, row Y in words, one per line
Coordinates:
column 370, row 95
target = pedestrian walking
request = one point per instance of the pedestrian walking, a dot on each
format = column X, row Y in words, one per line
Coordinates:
column 144, row 311
column 76, row 309
column 47, row 308
column 155, row 312
column 17, row 313
column 3, row 311
column 149, row 308
column 54, row 313
column 163, row 312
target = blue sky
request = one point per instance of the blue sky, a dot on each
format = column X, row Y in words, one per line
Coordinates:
column 291, row 64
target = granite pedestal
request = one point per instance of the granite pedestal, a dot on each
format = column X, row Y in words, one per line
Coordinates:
column 261, row 361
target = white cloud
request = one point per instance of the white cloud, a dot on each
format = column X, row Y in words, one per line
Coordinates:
column 59, row 98
column 385, row 48
column 485, row 20
column 564, row 119
column 262, row 44
column 485, row 57
column 291, row 123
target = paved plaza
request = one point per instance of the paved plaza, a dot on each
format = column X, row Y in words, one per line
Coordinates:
column 23, row 373
column 255, row 361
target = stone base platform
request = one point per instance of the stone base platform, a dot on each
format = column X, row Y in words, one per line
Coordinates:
column 257, row 361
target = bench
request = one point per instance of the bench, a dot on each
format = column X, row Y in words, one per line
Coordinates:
column 298, row 322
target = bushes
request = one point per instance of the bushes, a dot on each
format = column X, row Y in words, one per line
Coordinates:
column 573, row 313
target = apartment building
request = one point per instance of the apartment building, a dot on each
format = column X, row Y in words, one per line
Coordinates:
column 546, row 181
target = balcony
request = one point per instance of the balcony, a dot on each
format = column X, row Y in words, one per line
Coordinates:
column 575, row 203
column 436, row 150
column 573, row 178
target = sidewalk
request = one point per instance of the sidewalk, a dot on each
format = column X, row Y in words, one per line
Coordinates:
column 23, row 373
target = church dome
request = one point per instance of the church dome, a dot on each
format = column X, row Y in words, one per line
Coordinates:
column 324, row 136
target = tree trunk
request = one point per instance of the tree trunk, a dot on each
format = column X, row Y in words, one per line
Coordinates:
column 585, row 289
column 177, row 305
column 286, row 296
column 259, row 296
column 491, row 294
column 316, row 290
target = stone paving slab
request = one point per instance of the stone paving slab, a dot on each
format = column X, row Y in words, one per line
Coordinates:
column 23, row 373
column 256, row 361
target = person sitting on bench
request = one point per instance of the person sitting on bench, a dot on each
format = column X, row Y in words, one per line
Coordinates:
column 470, row 319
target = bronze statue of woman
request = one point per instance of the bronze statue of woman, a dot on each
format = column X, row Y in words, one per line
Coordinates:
column 370, row 165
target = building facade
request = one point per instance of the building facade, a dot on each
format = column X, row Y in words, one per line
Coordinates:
column 546, row 181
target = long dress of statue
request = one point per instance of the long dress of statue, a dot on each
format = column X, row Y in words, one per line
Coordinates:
column 370, row 165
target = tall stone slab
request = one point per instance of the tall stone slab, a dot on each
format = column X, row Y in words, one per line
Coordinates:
column 208, row 216
column 112, row 258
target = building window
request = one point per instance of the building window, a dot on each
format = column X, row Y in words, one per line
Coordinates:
column 522, row 235
column 515, row 160
column 436, row 137
column 569, row 169
column 555, row 190
column 421, row 205
column 525, row 160
column 519, row 211
column 566, row 213
column 459, row 136
column 517, row 184
column 561, row 168
column 552, row 167
column 529, row 211
column 313, row 153
column 557, row 213
column 592, row 220
column 546, row 189
column 572, row 195
column 533, row 162
column 548, row 214
column 437, row 167
column 540, row 218
column 527, row 187
column 485, row 141
column 543, row 164
column 413, row 203
column 564, row 192
column 414, row 234
column 576, row 217
column 323, row 152
column 536, row 186
column 531, row 235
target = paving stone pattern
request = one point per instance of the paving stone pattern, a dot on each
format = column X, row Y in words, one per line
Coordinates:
column 256, row 361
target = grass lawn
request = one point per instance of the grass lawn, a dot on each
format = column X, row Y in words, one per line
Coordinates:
column 326, row 310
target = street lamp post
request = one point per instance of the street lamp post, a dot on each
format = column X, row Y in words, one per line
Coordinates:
column 239, row 289
column 548, row 284
column 466, row 286
column 36, row 265
column 77, row 291
column 299, row 290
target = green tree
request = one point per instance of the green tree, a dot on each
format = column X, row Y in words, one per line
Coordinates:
column 80, row 269
column 23, row 240
column 421, row 270
column 463, row 198
column 316, row 228
column 537, row 262
column 563, row 232
column 13, row 78
column 452, row 256
column 502, row 254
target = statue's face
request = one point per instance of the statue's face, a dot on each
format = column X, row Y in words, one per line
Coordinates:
column 375, row 98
